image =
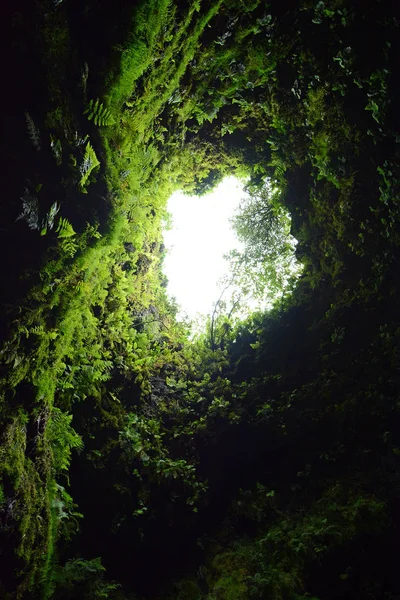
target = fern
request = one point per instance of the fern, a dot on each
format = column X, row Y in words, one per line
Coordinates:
column 84, row 78
column 62, row 438
column 69, row 247
column 37, row 330
column 48, row 221
column 52, row 214
column 30, row 213
column 33, row 131
column 91, row 231
column 80, row 286
column 30, row 210
column 279, row 166
column 90, row 162
column 56, row 148
column 64, row 228
column 98, row 113
column 80, row 141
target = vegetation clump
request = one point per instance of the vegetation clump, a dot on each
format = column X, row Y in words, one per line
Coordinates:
column 258, row 457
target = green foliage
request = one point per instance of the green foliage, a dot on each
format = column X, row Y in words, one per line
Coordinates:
column 233, row 575
column 30, row 213
column 276, row 565
column 66, row 512
column 266, row 269
column 142, row 440
column 62, row 439
column 27, row 499
column 84, row 579
column 89, row 164
column 48, row 222
column 69, row 247
column 98, row 113
column 178, row 428
column 64, row 228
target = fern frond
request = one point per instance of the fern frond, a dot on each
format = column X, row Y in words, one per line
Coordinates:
column 38, row 330
column 48, row 221
column 63, row 438
column 92, row 231
column 56, row 148
column 80, row 286
column 69, row 247
column 80, row 141
column 30, row 210
column 279, row 166
column 90, row 162
column 98, row 113
column 64, row 228
column 84, row 77
column 52, row 214
column 33, row 131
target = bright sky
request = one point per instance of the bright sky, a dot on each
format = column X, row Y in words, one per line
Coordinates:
column 200, row 236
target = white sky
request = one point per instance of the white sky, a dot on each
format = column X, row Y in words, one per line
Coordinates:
column 199, row 237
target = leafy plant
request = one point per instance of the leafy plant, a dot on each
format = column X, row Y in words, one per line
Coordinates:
column 30, row 210
column 62, row 438
column 90, row 162
column 48, row 222
column 66, row 512
column 64, row 228
column 98, row 113
column 84, row 579
column 56, row 148
column 69, row 247
column 33, row 131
